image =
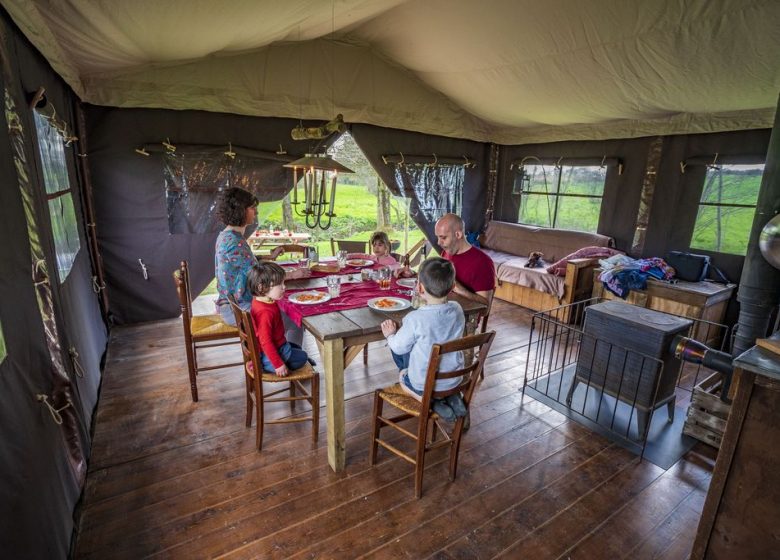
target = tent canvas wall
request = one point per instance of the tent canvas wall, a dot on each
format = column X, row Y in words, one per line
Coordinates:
column 623, row 79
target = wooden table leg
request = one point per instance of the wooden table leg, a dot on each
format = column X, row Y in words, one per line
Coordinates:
column 334, row 395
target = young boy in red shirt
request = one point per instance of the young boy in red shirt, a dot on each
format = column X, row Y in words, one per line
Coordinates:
column 266, row 283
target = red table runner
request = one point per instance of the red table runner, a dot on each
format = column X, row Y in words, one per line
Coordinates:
column 352, row 296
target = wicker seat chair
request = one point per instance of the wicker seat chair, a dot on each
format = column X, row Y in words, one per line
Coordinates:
column 422, row 411
column 200, row 331
column 255, row 377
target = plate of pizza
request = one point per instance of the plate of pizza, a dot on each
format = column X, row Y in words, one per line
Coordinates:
column 309, row 297
column 388, row 304
column 359, row 263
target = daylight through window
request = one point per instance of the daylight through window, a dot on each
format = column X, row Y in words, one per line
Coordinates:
column 726, row 208
column 566, row 197
column 61, row 212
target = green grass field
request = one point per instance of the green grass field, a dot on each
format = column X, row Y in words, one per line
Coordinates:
column 356, row 219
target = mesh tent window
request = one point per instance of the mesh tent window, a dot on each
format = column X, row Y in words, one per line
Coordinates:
column 436, row 189
column 195, row 178
column 58, row 194
column 555, row 195
column 727, row 207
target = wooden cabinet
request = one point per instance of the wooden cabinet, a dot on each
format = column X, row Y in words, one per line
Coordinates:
column 741, row 514
column 706, row 301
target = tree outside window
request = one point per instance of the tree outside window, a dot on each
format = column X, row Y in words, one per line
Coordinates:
column 566, row 197
column 726, row 208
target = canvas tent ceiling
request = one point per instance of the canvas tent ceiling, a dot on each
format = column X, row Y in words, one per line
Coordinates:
column 508, row 71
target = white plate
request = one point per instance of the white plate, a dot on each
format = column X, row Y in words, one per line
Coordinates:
column 399, row 303
column 321, row 297
column 359, row 263
column 407, row 282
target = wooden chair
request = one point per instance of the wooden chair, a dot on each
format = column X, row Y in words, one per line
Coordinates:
column 484, row 322
column 417, row 253
column 295, row 251
column 256, row 398
column 200, row 330
column 348, row 246
column 412, row 408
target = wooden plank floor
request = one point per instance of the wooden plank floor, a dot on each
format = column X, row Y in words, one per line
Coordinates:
column 169, row 478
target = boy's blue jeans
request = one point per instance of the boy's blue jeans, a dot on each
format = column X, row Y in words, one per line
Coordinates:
column 401, row 360
column 292, row 354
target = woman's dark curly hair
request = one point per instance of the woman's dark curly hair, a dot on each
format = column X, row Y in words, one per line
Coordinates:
column 232, row 205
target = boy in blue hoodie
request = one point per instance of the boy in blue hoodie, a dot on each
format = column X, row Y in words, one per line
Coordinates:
column 437, row 322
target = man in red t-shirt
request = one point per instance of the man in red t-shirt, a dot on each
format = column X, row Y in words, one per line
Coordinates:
column 475, row 275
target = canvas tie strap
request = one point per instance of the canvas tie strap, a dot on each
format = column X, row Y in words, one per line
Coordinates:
column 55, row 412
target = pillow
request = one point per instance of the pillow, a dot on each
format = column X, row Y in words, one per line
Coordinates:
column 559, row 268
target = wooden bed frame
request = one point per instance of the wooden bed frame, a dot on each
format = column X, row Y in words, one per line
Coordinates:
column 578, row 285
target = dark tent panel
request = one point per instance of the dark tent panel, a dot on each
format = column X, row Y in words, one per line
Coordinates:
column 54, row 333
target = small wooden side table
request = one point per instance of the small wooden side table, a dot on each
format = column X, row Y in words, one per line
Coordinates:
column 696, row 300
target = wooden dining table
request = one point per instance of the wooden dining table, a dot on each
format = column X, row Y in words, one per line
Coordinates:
column 340, row 336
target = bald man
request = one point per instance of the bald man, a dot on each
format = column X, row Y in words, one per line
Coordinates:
column 475, row 275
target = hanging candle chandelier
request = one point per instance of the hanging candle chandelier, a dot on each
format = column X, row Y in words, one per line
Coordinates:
column 320, row 174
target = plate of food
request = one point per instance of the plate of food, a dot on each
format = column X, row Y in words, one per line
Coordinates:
column 407, row 282
column 359, row 263
column 309, row 297
column 388, row 304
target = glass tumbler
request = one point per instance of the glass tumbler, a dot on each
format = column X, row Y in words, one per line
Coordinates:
column 383, row 278
column 334, row 286
column 341, row 256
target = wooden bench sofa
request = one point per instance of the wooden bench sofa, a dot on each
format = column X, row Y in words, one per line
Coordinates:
column 509, row 246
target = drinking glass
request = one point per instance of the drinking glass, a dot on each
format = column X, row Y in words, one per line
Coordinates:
column 334, row 286
column 341, row 256
column 383, row 278
column 303, row 263
column 365, row 274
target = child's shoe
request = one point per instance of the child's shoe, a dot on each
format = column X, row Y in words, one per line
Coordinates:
column 456, row 404
column 444, row 410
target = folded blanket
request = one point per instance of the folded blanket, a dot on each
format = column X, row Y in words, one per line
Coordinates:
column 559, row 268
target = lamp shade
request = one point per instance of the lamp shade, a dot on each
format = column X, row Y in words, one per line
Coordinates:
column 318, row 161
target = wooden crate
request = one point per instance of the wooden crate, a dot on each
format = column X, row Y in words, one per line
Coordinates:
column 707, row 414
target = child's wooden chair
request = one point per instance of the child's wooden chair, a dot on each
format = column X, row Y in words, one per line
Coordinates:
column 412, row 408
column 200, row 331
column 255, row 377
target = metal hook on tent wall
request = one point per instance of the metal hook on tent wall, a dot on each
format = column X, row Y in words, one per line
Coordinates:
column 603, row 160
column 435, row 160
column 715, row 160
column 168, row 146
column 144, row 270
column 558, row 163
column 682, row 167
column 142, row 151
column 230, row 153
column 281, row 151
